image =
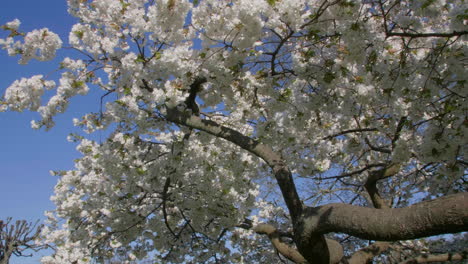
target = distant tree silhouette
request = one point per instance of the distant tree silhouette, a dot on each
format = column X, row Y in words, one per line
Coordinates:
column 17, row 237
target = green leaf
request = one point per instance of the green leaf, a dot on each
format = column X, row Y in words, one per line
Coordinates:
column 427, row 4
column 120, row 103
column 313, row 34
column 346, row 3
column 329, row 77
column 344, row 71
column 77, row 84
column 388, row 91
column 285, row 94
column 329, row 63
column 271, row 2
column 449, row 107
column 236, row 68
column 124, row 6
column 141, row 171
column 140, row 58
column 97, row 122
column 127, row 91
column 425, row 93
column 462, row 16
column 355, row 27
column 79, row 34
column 309, row 54
column 88, row 150
column 371, row 60
column 157, row 55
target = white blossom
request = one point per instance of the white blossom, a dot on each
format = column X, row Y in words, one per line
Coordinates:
column 333, row 88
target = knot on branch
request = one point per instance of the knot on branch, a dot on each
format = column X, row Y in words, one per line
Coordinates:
column 383, row 173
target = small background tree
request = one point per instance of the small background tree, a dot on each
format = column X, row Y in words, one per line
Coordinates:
column 18, row 237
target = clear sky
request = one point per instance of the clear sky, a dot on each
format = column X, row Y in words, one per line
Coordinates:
column 27, row 155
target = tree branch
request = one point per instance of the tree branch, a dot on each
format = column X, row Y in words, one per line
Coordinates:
column 318, row 249
column 165, row 196
column 348, row 174
column 371, row 184
column 427, row 35
column 274, row 160
column 437, row 258
column 358, row 130
column 284, row 249
column 448, row 214
column 364, row 255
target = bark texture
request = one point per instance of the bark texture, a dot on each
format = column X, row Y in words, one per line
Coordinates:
column 444, row 215
column 437, row 258
column 284, row 249
column 365, row 255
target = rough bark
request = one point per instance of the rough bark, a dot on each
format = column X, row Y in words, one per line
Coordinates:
column 8, row 251
column 317, row 249
column 371, row 185
column 284, row 249
column 426, row 258
column 444, row 215
column 365, row 255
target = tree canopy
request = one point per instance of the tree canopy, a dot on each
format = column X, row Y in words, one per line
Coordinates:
column 256, row 131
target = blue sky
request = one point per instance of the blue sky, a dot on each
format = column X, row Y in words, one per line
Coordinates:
column 27, row 155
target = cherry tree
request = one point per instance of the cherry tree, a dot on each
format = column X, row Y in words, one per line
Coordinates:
column 268, row 131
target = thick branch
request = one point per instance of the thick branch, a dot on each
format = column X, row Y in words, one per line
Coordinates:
column 165, row 196
column 274, row 236
column 371, row 184
column 364, row 255
column 437, row 258
column 273, row 159
column 444, row 215
column 318, row 249
column 427, row 35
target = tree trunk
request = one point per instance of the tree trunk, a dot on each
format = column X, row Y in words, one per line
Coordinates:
column 444, row 215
